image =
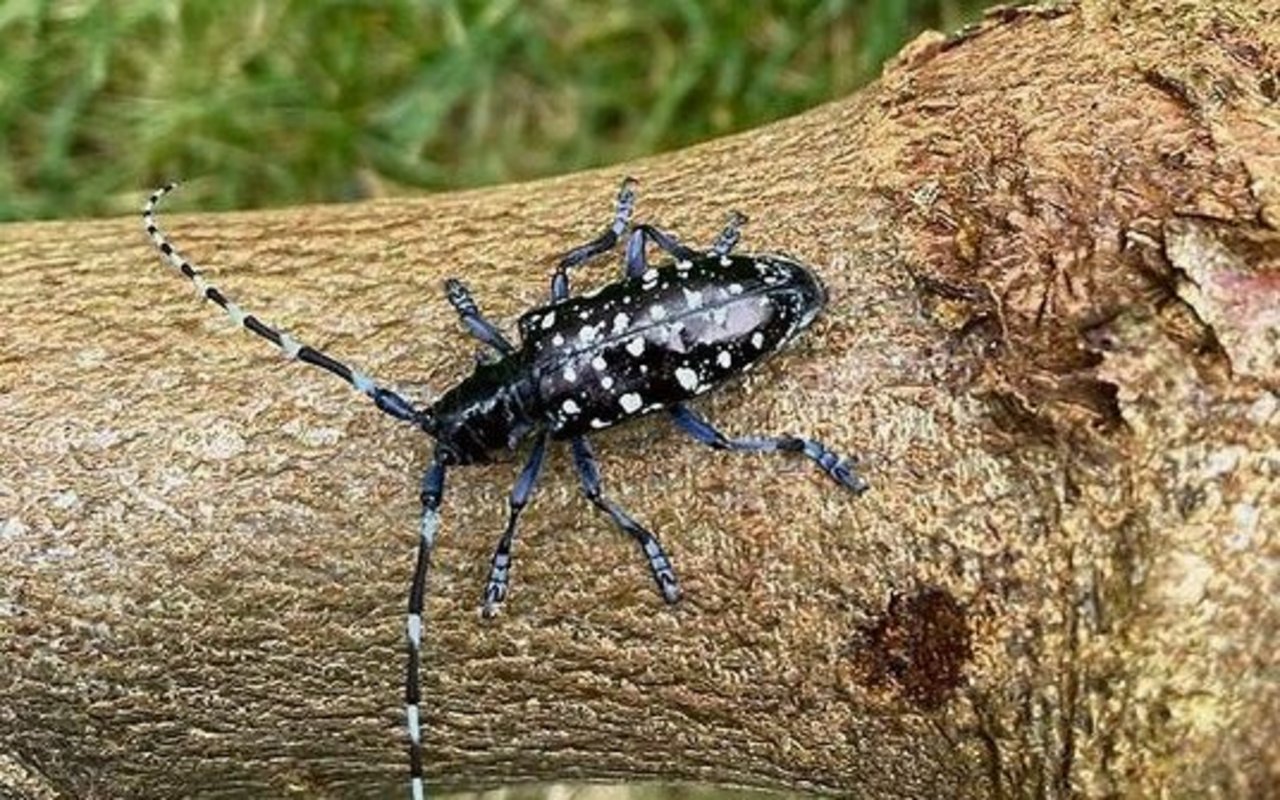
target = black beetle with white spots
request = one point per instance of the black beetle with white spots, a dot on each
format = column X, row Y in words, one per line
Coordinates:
column 648, row 342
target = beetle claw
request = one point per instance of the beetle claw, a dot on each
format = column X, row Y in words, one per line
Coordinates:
column 846, row 475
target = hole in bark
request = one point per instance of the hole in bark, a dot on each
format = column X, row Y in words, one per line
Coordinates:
column 919, row 645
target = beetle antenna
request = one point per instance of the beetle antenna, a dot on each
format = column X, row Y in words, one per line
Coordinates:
column 385, row 399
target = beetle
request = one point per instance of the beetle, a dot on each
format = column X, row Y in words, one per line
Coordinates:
column 646, row 343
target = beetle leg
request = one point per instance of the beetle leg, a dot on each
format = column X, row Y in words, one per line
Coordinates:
column 636, row 262
column 479, row 327
column 601, row 244
column 432, row 494
column 484, row 356
column 728, row 237
column 495, row 591
column 642, row 236
column 659, row 564
column 840, row 470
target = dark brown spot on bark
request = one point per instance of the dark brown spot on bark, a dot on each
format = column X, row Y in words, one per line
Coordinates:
column 1268, row 87
column 920, row 645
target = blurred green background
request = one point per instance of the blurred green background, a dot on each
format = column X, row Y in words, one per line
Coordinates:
column 277, row 102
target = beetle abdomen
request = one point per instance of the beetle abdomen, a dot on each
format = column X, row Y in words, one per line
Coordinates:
column 651, row 341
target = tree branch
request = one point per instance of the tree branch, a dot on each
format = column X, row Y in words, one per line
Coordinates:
column 1052, row 258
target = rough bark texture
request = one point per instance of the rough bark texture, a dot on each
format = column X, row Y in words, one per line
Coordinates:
column 1051, row 246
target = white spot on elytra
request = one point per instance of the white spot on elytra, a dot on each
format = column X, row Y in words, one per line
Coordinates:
column 548, row 320
column 692, row 298
column 725, row 261
column 757, row 340
column 570, row 374
column 607, row 381
column 649, row 275
column 598, row 423
column 724, row 359
column 684, row 265
column 630, row 402
column 735, row 288
column 570, row 407
column 588, row 334
column 687, row 378
column 557, row 340
column 636, row 346
column 620, row 322
column 658, row 312
column 599, row 364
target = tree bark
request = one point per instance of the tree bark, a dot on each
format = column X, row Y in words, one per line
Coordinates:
column 1052, row 254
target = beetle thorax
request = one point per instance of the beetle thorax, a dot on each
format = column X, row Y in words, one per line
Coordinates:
column 491, row 410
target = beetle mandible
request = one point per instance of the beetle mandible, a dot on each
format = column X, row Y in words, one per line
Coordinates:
column 648, row 342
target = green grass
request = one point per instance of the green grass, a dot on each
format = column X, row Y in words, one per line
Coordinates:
column 287, row 101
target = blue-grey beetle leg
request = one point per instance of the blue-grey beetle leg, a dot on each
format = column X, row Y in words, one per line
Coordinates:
column 666, row 243
column 728, row 238
column 636, row 261
column 432, row 495
column 495, row 591
column 659, row 564
column 601, row 244
column 840, row 470
column 479, row 327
